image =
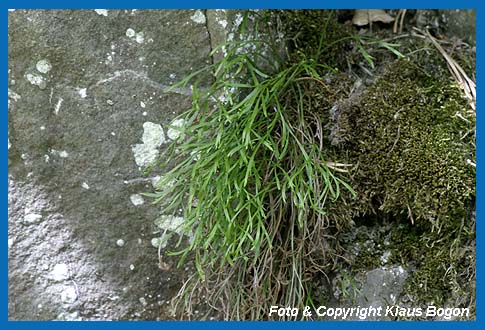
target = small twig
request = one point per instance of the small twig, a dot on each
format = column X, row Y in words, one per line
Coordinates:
column 459, row 115
column 401, row 22
column 397, row 139
column 76, row 288
column 469, row 162
column 394, row 28
column 410, row 214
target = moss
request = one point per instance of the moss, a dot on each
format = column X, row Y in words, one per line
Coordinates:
column 410, row 150
column 445, row 264
column 412, row 147
column 316, row 34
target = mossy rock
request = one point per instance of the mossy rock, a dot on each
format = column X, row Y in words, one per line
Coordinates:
column 412, row 138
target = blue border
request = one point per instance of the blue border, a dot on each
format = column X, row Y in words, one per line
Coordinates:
column 242, row 4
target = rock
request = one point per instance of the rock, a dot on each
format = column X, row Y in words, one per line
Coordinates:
column 85, row 58
column 380, row 287
column 460, row 23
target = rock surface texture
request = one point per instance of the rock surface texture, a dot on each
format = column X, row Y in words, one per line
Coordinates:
column 87, row 102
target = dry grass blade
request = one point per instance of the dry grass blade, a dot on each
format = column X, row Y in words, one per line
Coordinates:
column 466, row 84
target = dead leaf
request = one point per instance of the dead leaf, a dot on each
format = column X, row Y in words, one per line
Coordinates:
column 364, row 16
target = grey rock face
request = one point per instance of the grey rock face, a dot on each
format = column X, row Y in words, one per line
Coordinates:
column 460, row 23
column 83, row 84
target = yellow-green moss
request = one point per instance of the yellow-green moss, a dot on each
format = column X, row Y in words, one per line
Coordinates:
column 411, row 138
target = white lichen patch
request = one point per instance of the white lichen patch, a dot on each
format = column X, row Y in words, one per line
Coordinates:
column 168, row 225
column 59, row 273
column 140, row 37
column 175, row 129
column 85, row 185
column 101, row 12
column 69, row 295
column 130, row 33
column 171, row 223
column 198, row 17
column 153, row 137
column 143, row 301
column 144, row 155
column 137, row 199
column 36, row 80
column 13, row 96
column 31, row 218
column 62, row 153
column 158, row 180
column 155, row 180
column 82, row 92
column 153, row 134
column 238, row 20
column 222, row 23
column 156, row 242
column 66, row 316
column 43, row 66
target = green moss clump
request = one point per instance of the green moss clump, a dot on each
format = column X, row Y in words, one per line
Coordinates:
column 317, row 34
column 444, row 263
column 411, row 139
